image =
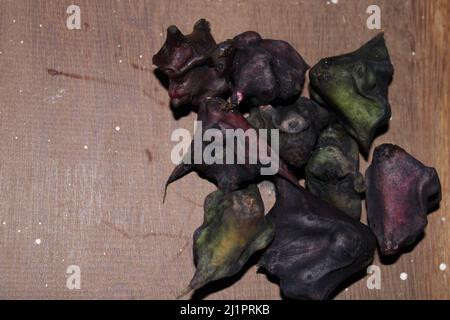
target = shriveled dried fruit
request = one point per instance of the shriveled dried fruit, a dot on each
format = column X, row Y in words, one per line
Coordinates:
column 400, row 192
column 181, row 53
column 355, row 86
column 234, row 228
column 299, row 126
column 229, row 176
column 316, row 246
column 265, row 70
column 332, row 172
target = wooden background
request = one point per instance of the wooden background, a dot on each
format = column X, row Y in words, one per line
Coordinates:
column 91, row 193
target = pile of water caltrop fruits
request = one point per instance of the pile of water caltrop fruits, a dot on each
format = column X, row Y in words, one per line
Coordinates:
column 312, row 239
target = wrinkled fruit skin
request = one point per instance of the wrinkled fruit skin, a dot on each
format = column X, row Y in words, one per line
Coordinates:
column 265, row 70
column 355, row 86
column 234, row 228
column 400, row 192
column 316, row 246
column 227, row 177
column 299, row 125
column 332, row 172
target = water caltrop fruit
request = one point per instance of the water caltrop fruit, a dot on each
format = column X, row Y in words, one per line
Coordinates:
column 400, row 192
column 299, row 125
column 355, row 87
column 332, row 172
column 181, row 53
column 234, row 228
column 229, row 176
column 316, row 246
column 265, row 70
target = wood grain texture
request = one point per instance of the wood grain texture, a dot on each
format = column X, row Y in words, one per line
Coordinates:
column 92, row 194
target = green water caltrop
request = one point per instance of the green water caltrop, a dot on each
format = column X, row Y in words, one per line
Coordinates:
column 332, row 172
column 234, row 228
column 355, row 87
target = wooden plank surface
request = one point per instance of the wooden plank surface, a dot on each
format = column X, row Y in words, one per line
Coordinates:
column 84, row 157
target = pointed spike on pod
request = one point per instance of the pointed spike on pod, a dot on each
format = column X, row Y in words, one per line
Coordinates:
column 180, row 171
column 174, row 36
column 202, row 25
